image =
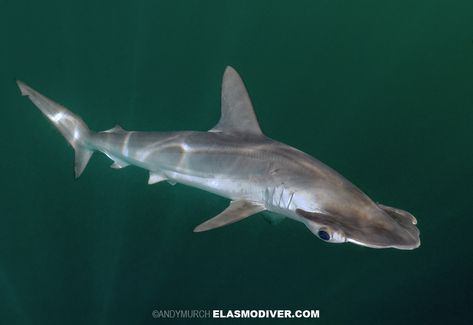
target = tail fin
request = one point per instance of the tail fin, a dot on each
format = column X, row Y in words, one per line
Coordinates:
column 70, row 125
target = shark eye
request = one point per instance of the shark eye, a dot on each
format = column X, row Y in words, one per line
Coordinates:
column 323, row 235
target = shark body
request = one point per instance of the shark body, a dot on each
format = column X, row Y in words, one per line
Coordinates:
column 237, row 161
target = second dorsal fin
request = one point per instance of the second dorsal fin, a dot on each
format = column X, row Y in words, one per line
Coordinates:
column 238, row 115
column 116, row 129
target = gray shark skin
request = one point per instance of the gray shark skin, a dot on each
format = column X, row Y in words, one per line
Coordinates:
column 237, row 161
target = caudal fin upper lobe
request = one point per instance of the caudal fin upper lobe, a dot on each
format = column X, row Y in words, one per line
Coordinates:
column 70, row 125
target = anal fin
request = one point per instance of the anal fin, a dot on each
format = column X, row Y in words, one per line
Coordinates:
column 236, row 211
column 155, row 177
column 119, row 164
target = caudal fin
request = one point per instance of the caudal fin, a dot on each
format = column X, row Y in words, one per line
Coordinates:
column 70, row 125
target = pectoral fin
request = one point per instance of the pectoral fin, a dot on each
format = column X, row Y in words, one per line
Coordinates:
column 236, row 211
column 273, row 218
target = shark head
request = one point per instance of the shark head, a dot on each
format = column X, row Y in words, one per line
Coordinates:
column 363, row 223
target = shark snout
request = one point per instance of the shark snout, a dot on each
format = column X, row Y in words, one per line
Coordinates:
column 408, row 236
column 385, row 227
column 378, row 227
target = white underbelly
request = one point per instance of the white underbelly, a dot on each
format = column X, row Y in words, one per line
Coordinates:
column 234, row 189
column 277, row 199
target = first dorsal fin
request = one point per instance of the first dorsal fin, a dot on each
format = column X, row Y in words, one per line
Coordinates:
column 238, row 115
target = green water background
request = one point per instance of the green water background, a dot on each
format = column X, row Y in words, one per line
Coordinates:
column 382, row 91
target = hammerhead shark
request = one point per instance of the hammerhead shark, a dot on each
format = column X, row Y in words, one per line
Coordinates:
column 236, row 160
